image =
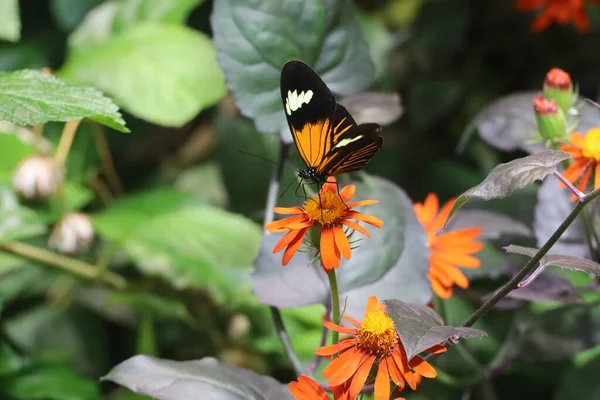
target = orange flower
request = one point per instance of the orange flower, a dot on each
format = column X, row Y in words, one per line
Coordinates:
column 559, row 11
column 585, row 149
column 329, row 212
column 307, row 389
column 449, row 250
column 374, row 341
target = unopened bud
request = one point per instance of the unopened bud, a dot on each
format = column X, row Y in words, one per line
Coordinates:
column 239, row 326
column 37, row 178
column 559, row 87
column 550, row 119
column 72, row 234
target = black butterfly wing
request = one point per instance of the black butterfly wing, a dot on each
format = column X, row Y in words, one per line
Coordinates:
column 309, row 107
column 351, row 146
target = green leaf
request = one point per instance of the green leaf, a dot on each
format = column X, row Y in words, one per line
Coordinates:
column 255, row 39
column 16, row 221
column 513, row 175
column 396, row 257
column 581, row 380
column 167, row 379
column 69, row 13
column 10, row 361
column 10, row 22
column 53, row 382
column 189, row 245
column 76, row 196
column 131, row 12
column 420, row 327
column 17, row 143
column 30, row 97
column 163, row 74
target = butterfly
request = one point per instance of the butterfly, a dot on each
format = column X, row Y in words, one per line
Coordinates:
column 326, row 136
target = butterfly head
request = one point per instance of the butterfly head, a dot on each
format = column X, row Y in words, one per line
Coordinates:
column 310, row 174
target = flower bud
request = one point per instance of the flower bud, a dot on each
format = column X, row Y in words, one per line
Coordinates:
column 72, row 234
column 37, row 178
column 239, row 326
column 551, row 121
column 558, row 86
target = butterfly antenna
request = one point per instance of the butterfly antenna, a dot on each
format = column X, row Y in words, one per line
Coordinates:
column 287, row 187
column 267, row 160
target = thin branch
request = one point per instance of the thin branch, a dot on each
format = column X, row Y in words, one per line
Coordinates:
column 76, row 267
column 533, row 262
column 66, row 140
column 568, row 184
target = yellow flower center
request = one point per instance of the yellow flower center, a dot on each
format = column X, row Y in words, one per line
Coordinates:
column 326, row 208
column 591, row 144
column 377, row 333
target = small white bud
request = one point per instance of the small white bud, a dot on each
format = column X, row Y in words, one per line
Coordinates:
column 37, row 178
column 239, row 326
column 72, row 234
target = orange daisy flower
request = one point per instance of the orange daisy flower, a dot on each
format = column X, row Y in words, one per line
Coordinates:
column 307, row 389
column 447, row 251
column 374, row 341
column 585, row 149
column 559, row 11
column 330, row 213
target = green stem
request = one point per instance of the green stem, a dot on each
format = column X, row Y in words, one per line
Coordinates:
column 71, row 265
column 335, row 305
column 533, row 262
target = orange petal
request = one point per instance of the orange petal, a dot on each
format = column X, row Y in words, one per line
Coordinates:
column 437, row 349
column 353, row 321
column 362, row 203
column 356, row 227
column 574, row 170
column 286, row 223
column 459, row 259
column 382, row 382
column 429, row 209
column 335, row 348
column 360, row 377
column 584, row 179
column 374, row 305
column 347, row 193
column 369, row 219
column 307, row 389
column 293, row 247
column 577, row 139
column 440, row 219
column 341, row 329
column 341, row 241
column 463, row 248
column 402, row 364
column 288, row 210
column 440, row 275
column 422, row 367
column 286, row 239
column 444, row 292
column 459, row 236
column 342, row 368
column 330, row 185
column 395, row 372
column 328, row 249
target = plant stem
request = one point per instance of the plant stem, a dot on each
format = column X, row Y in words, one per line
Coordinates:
column 533, row 262
column 71, row 265
column 335, row 305
column 269, row 217
column 66, row 140
column 107, row 164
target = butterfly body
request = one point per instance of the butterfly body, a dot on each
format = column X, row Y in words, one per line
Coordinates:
column 326, row 136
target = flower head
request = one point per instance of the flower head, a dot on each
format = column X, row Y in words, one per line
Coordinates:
column 449, row 250
column 72, row 234
column 559, row 11
column 585, row 149
column 374, row 344
column 550, row 119
column 37, row 178
column 329, row 213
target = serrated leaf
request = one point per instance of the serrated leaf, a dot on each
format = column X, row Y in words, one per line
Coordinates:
column 420, row 327
column 254, row 39
column 379, row 108
column 170, row 380
column 10, row 22
column 552, row 208
column 572, row 263
column 131, row 12
column 165, row 74
column 189, row 245
column 17, row 222
column 55, row 382
column 493, row 225
column 396, row 256
column 29, row 97
column 516, row 174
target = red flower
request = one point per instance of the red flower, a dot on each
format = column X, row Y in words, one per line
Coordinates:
column 558, row 11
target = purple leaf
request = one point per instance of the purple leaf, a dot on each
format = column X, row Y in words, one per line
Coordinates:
column 516, row 174
column 560, row 260
column 206, row 378
column 547, row 287
column 380, row 108
column 553, row 206
column 393, row 263
column 420, row 327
